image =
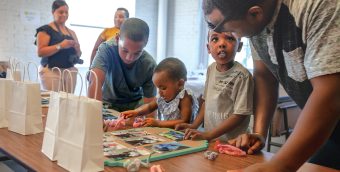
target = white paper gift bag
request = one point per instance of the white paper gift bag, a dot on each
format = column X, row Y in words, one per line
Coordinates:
column 80, row 135
column 25, row 107
column 49, row 145
column 5, row 90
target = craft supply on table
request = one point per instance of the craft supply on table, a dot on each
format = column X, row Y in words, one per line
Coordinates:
column 229, row 149
column 156, row 168
column 122, row 146
column 138, row 122
column 211, row 155
column 173, row 135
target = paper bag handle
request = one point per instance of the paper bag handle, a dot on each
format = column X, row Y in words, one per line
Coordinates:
column 59, row 86
column 90, row 72
column 11, row 62
column 81, row 79
column 15, row 69
column 28, row 71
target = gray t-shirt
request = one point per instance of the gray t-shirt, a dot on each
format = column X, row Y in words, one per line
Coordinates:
column 301, row 42
column 123, row 84
column 227, row 93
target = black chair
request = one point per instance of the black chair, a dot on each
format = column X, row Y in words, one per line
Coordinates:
column 283, row 104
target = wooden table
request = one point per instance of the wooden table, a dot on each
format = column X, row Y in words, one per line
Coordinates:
column 28, row 150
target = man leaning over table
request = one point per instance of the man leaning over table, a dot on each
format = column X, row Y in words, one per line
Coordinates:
column 296, row 43
column 125, row 70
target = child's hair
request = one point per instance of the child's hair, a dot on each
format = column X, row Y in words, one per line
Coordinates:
column 134, row 29
column 126, row 12
column 174, row 67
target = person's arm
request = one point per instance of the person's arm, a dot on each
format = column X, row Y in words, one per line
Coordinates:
column 43, row 50
column 305, row 140
column 92, row 85
column 147, row 100
column 265, row 98
column 226, row 126
column 95, row 48
column 197, row 122
column 142, row 110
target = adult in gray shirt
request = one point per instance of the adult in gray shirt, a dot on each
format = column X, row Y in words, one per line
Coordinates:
column 125, row 70
column 295, row 43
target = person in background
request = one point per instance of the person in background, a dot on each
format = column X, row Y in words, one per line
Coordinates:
column 58, row 46
column 175, row 103
column 297, row 44
column 228, row 94
column 125, row 70
column 121, row 15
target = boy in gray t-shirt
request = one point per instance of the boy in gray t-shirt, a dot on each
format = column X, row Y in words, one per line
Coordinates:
column 228, row 95
column 125, row 70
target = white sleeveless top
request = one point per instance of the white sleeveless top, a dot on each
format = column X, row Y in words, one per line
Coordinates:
column 170, row 110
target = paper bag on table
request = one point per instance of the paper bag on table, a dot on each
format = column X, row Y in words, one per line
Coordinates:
column 80, row 135
column 25, row 107
column 49, row 145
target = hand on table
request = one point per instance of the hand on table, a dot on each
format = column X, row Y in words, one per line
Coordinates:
column 194, row 134
column 150, row 122
column 250, row 142
column 182, row 126
column 129, row 114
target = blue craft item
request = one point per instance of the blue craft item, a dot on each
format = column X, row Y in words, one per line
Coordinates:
column 167, row 146
column 173, row 135
column 177, row 135
column 109, row 117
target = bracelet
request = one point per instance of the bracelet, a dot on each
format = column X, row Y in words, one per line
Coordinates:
column 263, row 140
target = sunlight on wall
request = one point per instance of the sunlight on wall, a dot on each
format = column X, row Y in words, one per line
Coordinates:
column 93, row 16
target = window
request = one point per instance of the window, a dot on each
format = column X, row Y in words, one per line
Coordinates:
column 88, row 18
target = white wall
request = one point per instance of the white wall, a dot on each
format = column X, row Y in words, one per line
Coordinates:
column 19, row 19
column 183, row 29
column 147, row 10
column 17, row 31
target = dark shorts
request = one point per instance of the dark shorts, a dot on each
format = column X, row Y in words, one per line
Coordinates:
column 329, row 154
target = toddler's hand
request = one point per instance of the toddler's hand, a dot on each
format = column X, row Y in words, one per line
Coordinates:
column 195, row 135
column 150, row 122
column 129, row 114
column 182, row 126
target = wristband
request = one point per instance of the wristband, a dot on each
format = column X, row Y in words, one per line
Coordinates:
column 58, row 46
column 263, row 140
